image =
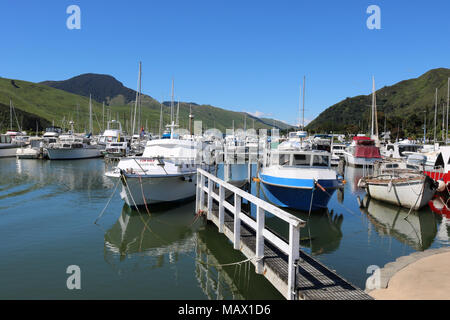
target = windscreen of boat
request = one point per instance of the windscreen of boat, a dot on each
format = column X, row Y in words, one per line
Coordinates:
column 301, row 160
column 408, row 148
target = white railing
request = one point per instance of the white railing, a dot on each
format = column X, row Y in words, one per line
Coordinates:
column 291, row 249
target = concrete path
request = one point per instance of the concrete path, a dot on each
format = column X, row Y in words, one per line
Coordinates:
column 419, row 276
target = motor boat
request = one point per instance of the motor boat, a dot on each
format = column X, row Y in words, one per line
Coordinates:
column 362, row 152
column 299, row 179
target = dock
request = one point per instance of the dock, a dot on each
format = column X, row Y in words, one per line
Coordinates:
column 294, row 273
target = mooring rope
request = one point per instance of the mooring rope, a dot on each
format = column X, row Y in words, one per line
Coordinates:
column 143, row 197
column 423, row 189
column 195, row 259
column 107, row 204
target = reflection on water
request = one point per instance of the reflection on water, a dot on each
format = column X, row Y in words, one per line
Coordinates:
column 418, row 230
column 157, row 241
column 19, row 177
column 165, row 232
column 218, row 279
column 47, row 210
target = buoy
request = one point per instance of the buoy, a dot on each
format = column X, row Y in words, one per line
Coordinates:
column 441, row 186
column 256, row 179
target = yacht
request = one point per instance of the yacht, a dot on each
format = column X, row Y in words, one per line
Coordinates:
column 362, row 152
column 298, row 179
column 401, row 149
column 337, row 152
column 8, row 147
column 113, row 140
column 166, row 172
column 70, row 147
column 33, row 150
column 113, row 133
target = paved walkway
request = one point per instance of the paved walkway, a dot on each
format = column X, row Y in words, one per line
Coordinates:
column 419, row 276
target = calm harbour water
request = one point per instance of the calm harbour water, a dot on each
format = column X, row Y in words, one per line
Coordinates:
column 47, row 214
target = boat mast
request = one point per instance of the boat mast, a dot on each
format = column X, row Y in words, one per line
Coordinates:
column 374, row 126
column 303, row 116
column 90, row 115
column 10, row 114
column 160, row 121
column 425, row 128
column 139, row 98
column 178, row 112
column 103, row 115
column 435, row 117
column 171, row 105
column 448, row 97
column 133, row 127
column 443, row 122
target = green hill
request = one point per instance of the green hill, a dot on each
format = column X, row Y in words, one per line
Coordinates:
column 52, row 105
column 403, row 105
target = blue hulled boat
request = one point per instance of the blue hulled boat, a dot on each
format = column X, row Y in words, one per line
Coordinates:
column 299, row 179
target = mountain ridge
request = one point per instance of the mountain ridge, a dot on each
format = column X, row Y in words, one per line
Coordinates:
column 403, row 105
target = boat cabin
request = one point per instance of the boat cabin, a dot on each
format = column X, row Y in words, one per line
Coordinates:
column 300, row 158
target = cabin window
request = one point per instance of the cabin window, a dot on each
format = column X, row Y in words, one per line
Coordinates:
column 301, row 160
column 391, row 166
column 320, row 161
column 390, row 147
column 283, row 159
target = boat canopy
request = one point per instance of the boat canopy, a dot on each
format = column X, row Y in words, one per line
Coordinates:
column 370, row 151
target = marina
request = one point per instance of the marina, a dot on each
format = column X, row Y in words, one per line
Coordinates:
column 232, row 151
column 129, row 248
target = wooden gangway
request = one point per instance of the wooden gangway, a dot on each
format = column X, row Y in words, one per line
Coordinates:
column 294, row 273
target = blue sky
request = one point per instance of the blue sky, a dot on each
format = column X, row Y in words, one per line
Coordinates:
column 240, row 55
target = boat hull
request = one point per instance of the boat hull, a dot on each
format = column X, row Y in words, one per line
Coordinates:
column 28, row 154
column 72, row 154
column 297, row 195
column 359, row 162
column 7, row 152
column 144, row 190
column 407, row 194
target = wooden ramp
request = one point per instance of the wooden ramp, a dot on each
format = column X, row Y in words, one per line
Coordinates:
column 311, row 281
